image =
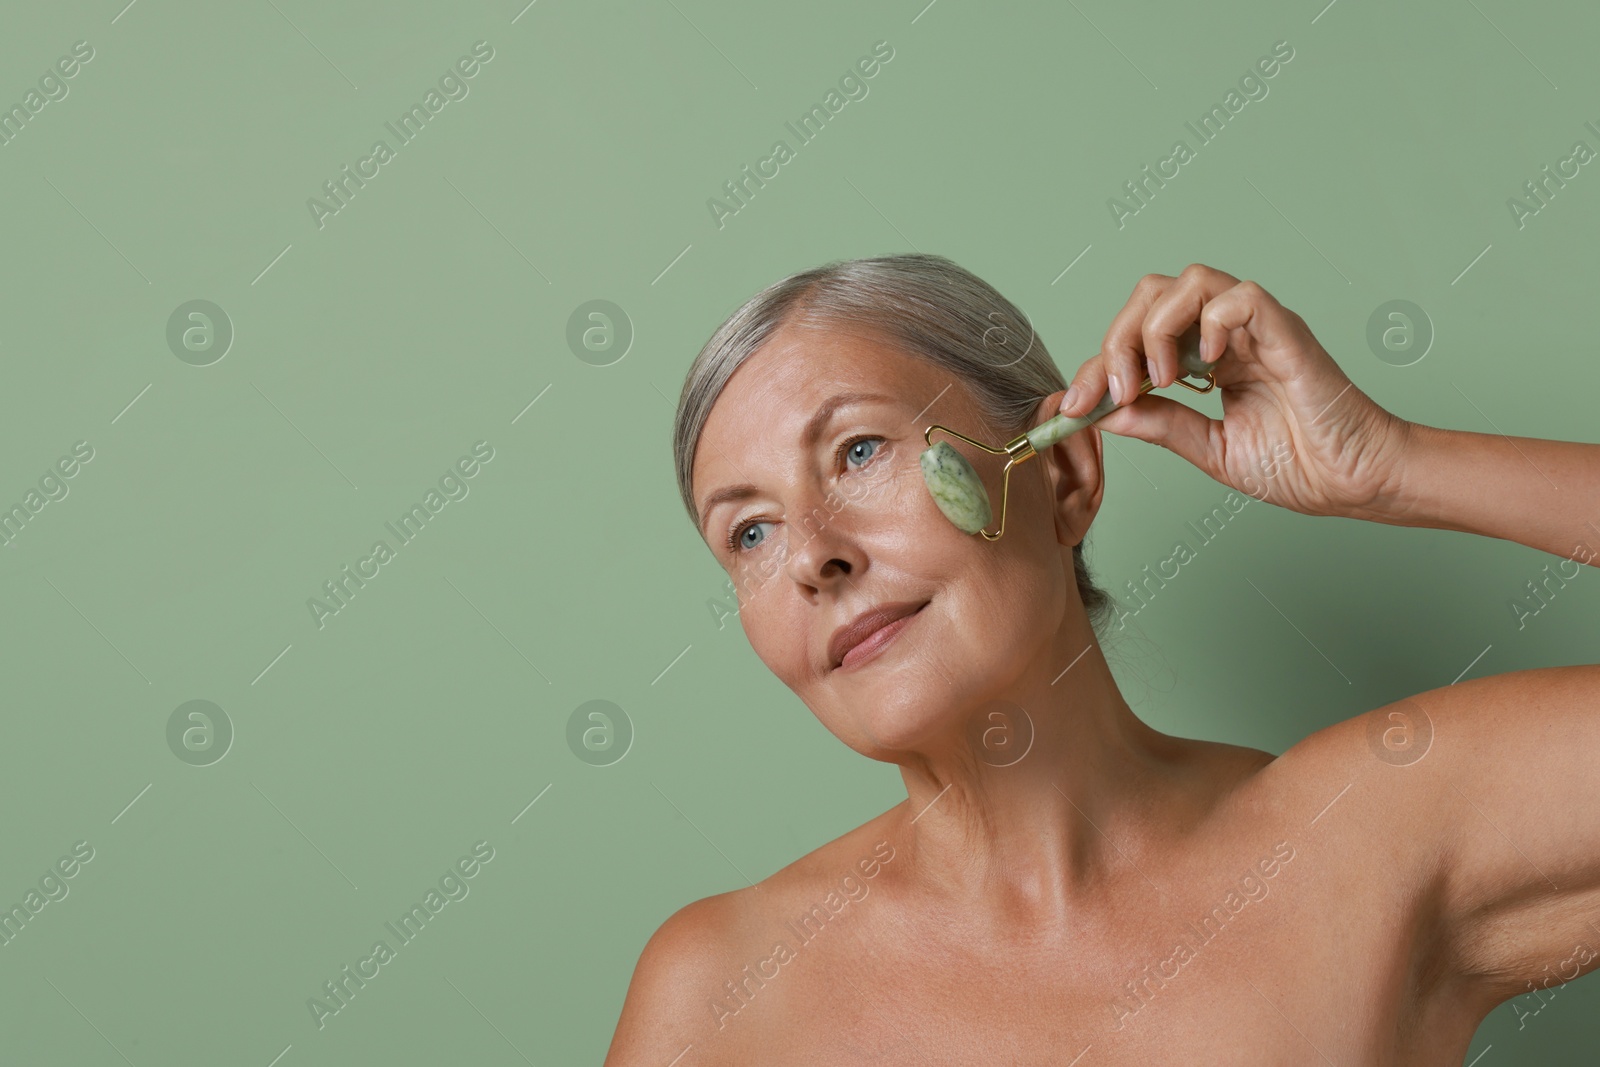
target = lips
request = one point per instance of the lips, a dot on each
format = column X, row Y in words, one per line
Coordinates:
column 866, row 624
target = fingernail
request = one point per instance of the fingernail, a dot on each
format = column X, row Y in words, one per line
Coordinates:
column 1072, row 394
column 1116, row 389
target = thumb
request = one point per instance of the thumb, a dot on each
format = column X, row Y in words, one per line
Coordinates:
column 1174, row 426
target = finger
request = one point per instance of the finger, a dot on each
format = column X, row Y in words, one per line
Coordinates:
column 1264, row 323
column 1086, row 387
column 1175, row 312
column 1227, row 312
column 1175, row 426
column 1123, row 346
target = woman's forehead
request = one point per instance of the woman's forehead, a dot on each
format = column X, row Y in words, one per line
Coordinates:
column 795, row 371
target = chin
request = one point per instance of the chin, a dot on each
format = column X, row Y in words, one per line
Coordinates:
column 911, row 705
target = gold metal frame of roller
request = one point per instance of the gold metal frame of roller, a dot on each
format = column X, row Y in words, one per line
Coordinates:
column 1021, row 450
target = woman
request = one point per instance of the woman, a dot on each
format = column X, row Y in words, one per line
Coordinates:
column 1064, row 884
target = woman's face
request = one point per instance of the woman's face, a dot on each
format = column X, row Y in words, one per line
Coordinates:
column 841, row 522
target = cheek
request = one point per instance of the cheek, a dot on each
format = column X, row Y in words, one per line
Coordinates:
column 780, row 642
column 1010, row 596
column 894, row 485
column 907, row 518
column 999, row 611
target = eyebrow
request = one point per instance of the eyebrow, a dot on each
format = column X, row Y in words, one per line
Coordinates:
column 810, row 434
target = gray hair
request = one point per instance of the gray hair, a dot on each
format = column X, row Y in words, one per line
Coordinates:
column 929, row 308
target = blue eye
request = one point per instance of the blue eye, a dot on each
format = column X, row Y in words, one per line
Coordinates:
column 851, row 446
column 736, row 542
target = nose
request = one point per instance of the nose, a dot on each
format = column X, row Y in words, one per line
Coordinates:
column 823, row 552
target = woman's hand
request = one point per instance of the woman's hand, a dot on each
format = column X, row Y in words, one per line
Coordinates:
column 1291, row 419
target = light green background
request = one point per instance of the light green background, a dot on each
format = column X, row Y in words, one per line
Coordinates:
column 431, row 310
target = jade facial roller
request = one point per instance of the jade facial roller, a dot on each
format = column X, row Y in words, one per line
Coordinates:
column 958, row 490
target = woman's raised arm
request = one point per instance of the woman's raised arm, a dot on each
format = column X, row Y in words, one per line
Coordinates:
column 1296, row 431
column 1543, row 494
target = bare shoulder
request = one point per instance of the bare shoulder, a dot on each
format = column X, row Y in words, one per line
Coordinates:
column 1411, row 747
column 1484, row 788
column 1365, row 771
column 1414, row 788
column 687, row 961
column 681, row 961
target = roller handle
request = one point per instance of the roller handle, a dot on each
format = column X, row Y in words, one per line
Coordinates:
column 1048, row 433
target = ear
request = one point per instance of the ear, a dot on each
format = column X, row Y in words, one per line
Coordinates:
column 1074, row 473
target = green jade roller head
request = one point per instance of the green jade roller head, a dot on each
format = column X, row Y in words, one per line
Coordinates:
column 958, row 490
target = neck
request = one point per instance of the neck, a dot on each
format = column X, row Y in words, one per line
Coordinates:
column 1005, row 827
